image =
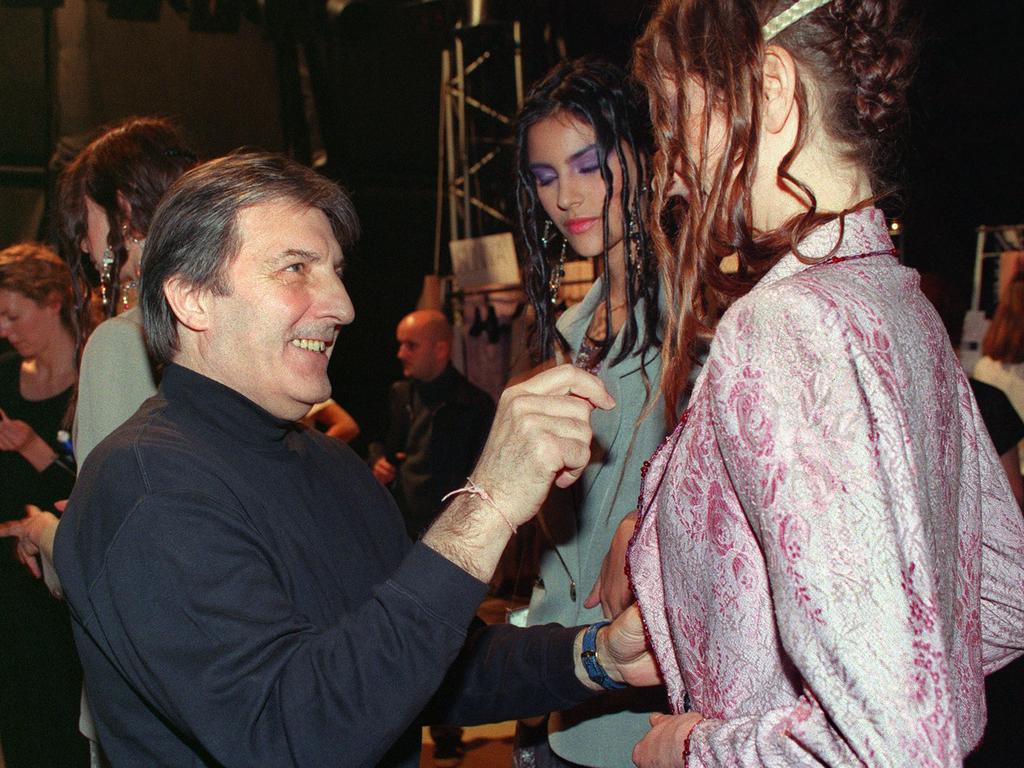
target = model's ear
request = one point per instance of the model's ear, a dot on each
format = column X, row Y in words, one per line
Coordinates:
column 125, row 210
column 779, row 86
column 189, row 303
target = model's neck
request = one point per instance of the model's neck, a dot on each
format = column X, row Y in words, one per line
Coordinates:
column 838, row 183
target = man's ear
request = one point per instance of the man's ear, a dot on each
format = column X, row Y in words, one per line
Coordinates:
column 779, row 89
column 189, row 303
column 443, row 350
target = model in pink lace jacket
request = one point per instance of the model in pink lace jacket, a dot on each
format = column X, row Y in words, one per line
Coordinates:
column 829, row 558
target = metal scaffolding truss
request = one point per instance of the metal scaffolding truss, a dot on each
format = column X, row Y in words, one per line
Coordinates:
column 479, row 98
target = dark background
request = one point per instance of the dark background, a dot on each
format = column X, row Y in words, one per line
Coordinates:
column 230, row 78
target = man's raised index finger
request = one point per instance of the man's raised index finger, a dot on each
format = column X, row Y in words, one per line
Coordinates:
column 567, row 379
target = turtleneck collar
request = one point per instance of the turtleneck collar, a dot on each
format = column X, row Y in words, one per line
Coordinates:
column 222, row 408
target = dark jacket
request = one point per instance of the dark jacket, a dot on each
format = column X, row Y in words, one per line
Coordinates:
column 441, row 426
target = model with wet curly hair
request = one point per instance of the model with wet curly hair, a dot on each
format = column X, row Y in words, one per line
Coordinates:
column 583, row 149
column 808, row 558
column 107, row 196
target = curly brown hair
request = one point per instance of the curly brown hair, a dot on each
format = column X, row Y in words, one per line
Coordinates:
column 854, row 56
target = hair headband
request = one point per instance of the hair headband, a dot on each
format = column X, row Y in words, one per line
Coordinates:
column 791, row 16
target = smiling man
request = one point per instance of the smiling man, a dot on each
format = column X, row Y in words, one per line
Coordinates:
column 242, row 589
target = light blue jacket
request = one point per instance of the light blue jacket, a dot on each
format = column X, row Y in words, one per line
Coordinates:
column 580, row 523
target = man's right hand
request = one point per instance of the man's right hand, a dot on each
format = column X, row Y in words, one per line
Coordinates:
column 541, row 434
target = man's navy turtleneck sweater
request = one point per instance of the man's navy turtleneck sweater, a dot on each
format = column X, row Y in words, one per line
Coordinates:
column 244, row 593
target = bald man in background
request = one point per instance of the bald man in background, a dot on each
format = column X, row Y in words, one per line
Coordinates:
column 438, row 422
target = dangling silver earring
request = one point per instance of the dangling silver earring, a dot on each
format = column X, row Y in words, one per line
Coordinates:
column 557, row 273
column 545, row 235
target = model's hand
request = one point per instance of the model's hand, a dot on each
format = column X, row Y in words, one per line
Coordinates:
column 665, row 743
column 611, row 590
column 35, row 532
column 384, row 471
column 541, row 434
column 622, row 650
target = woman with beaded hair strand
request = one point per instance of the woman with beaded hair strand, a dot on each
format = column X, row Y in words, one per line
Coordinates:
column 107, row 197
column 582, row 157
column 828, row 558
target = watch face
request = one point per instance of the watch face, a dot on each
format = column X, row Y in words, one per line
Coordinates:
column 517, row 616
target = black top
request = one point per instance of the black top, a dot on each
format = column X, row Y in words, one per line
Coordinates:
column 1001, row 419
column 244, row 594
column 441, row 426
column 20, row 483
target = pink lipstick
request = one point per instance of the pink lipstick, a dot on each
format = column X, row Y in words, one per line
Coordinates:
column 579, row 226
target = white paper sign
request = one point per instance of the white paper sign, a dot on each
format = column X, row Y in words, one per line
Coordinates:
column 487, row 260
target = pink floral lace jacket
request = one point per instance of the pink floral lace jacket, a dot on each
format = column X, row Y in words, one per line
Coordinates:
column 829, row 558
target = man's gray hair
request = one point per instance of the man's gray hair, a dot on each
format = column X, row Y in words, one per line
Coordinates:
column 194, row 234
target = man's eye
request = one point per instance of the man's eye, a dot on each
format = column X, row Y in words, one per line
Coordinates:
column 297, row 267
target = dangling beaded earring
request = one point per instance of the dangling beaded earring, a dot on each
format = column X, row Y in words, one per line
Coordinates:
column 106, row 268
column 557, row 273
column 633, row 232
column 558, row 270
column 128, row 289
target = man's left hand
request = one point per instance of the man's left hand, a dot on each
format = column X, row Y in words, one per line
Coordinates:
column 622, row 650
